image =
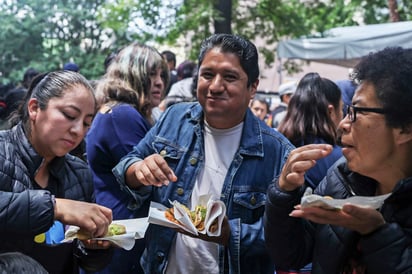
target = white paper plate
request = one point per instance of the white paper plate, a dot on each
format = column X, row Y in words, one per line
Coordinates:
column 135, row 229
column 330, row 203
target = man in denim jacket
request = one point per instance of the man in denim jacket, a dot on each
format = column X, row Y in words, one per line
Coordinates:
column 217, row 147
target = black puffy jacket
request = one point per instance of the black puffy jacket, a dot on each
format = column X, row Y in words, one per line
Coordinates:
column 294, row 242
column 26, row 212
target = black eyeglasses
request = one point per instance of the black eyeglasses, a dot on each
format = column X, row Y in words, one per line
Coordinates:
column 351, row 111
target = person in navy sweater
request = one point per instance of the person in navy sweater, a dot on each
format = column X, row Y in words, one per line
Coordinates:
column 133, row 84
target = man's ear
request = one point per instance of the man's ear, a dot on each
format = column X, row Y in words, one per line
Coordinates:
column 33, row 108
column 253, row 88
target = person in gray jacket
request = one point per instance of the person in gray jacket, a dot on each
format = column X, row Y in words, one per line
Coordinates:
column 42, row 187
column 376, row 138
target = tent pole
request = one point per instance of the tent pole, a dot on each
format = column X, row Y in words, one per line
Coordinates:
column 279, row 69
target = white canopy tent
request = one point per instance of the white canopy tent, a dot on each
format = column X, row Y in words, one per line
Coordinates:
column 345, row 45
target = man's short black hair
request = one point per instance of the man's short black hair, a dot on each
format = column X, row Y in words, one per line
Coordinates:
column 170, row 56
column 243, row 48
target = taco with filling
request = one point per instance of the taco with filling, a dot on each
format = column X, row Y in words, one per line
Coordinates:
column 197, row 216
column 114, row 229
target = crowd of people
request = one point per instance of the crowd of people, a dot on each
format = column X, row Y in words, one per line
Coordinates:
column 82, row 152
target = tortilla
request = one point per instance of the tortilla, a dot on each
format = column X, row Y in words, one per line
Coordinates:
column 197, row 216
column 114, row 229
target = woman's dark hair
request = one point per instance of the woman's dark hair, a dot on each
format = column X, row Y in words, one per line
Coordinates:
column 307, row 115
column 47, row 86
column 390, row 72
column 244, row 49
column 127, row 79
column 28, row 76
column 14, row 99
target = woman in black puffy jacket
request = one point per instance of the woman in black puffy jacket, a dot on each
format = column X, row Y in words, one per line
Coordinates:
column 376, row 137
column 42, row 187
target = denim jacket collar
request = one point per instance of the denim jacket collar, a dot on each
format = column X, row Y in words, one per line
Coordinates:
column 251, row 141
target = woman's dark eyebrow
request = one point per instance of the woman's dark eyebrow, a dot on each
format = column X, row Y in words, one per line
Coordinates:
column 355, row 102
column 78, row 110
column 74, row 107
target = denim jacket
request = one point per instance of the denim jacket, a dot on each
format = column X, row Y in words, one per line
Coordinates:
column 178, row 137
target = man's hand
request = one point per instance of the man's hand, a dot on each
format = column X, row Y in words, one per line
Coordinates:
column 360, row 219
column 223, row 239
column 152, row 171
column 299, row 161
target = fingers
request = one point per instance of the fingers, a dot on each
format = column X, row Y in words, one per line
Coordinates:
column 107, row 212
column 304, row 158
column 91, row 217
column 299, row 161
column 222, row 239
column 366, row 221
column 362, row 220
column 102, row 219
column 146, row 176
column 319, row 215
column 155, row 171
column 313, row 151
column 97, row 244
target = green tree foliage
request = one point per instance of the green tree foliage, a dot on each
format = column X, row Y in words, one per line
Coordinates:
column 161, row 21
column 272, row 20
column 20, row 36
column 46, row 34
column 268, row 20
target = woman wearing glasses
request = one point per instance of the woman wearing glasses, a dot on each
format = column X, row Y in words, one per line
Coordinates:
column 376, row 137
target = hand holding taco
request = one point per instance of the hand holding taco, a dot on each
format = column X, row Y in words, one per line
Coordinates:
column 114, row 229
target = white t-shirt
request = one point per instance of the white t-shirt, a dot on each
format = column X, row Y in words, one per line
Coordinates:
column 190, row 255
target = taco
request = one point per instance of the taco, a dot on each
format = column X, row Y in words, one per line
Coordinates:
column 114, row 229
column 197, row 216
